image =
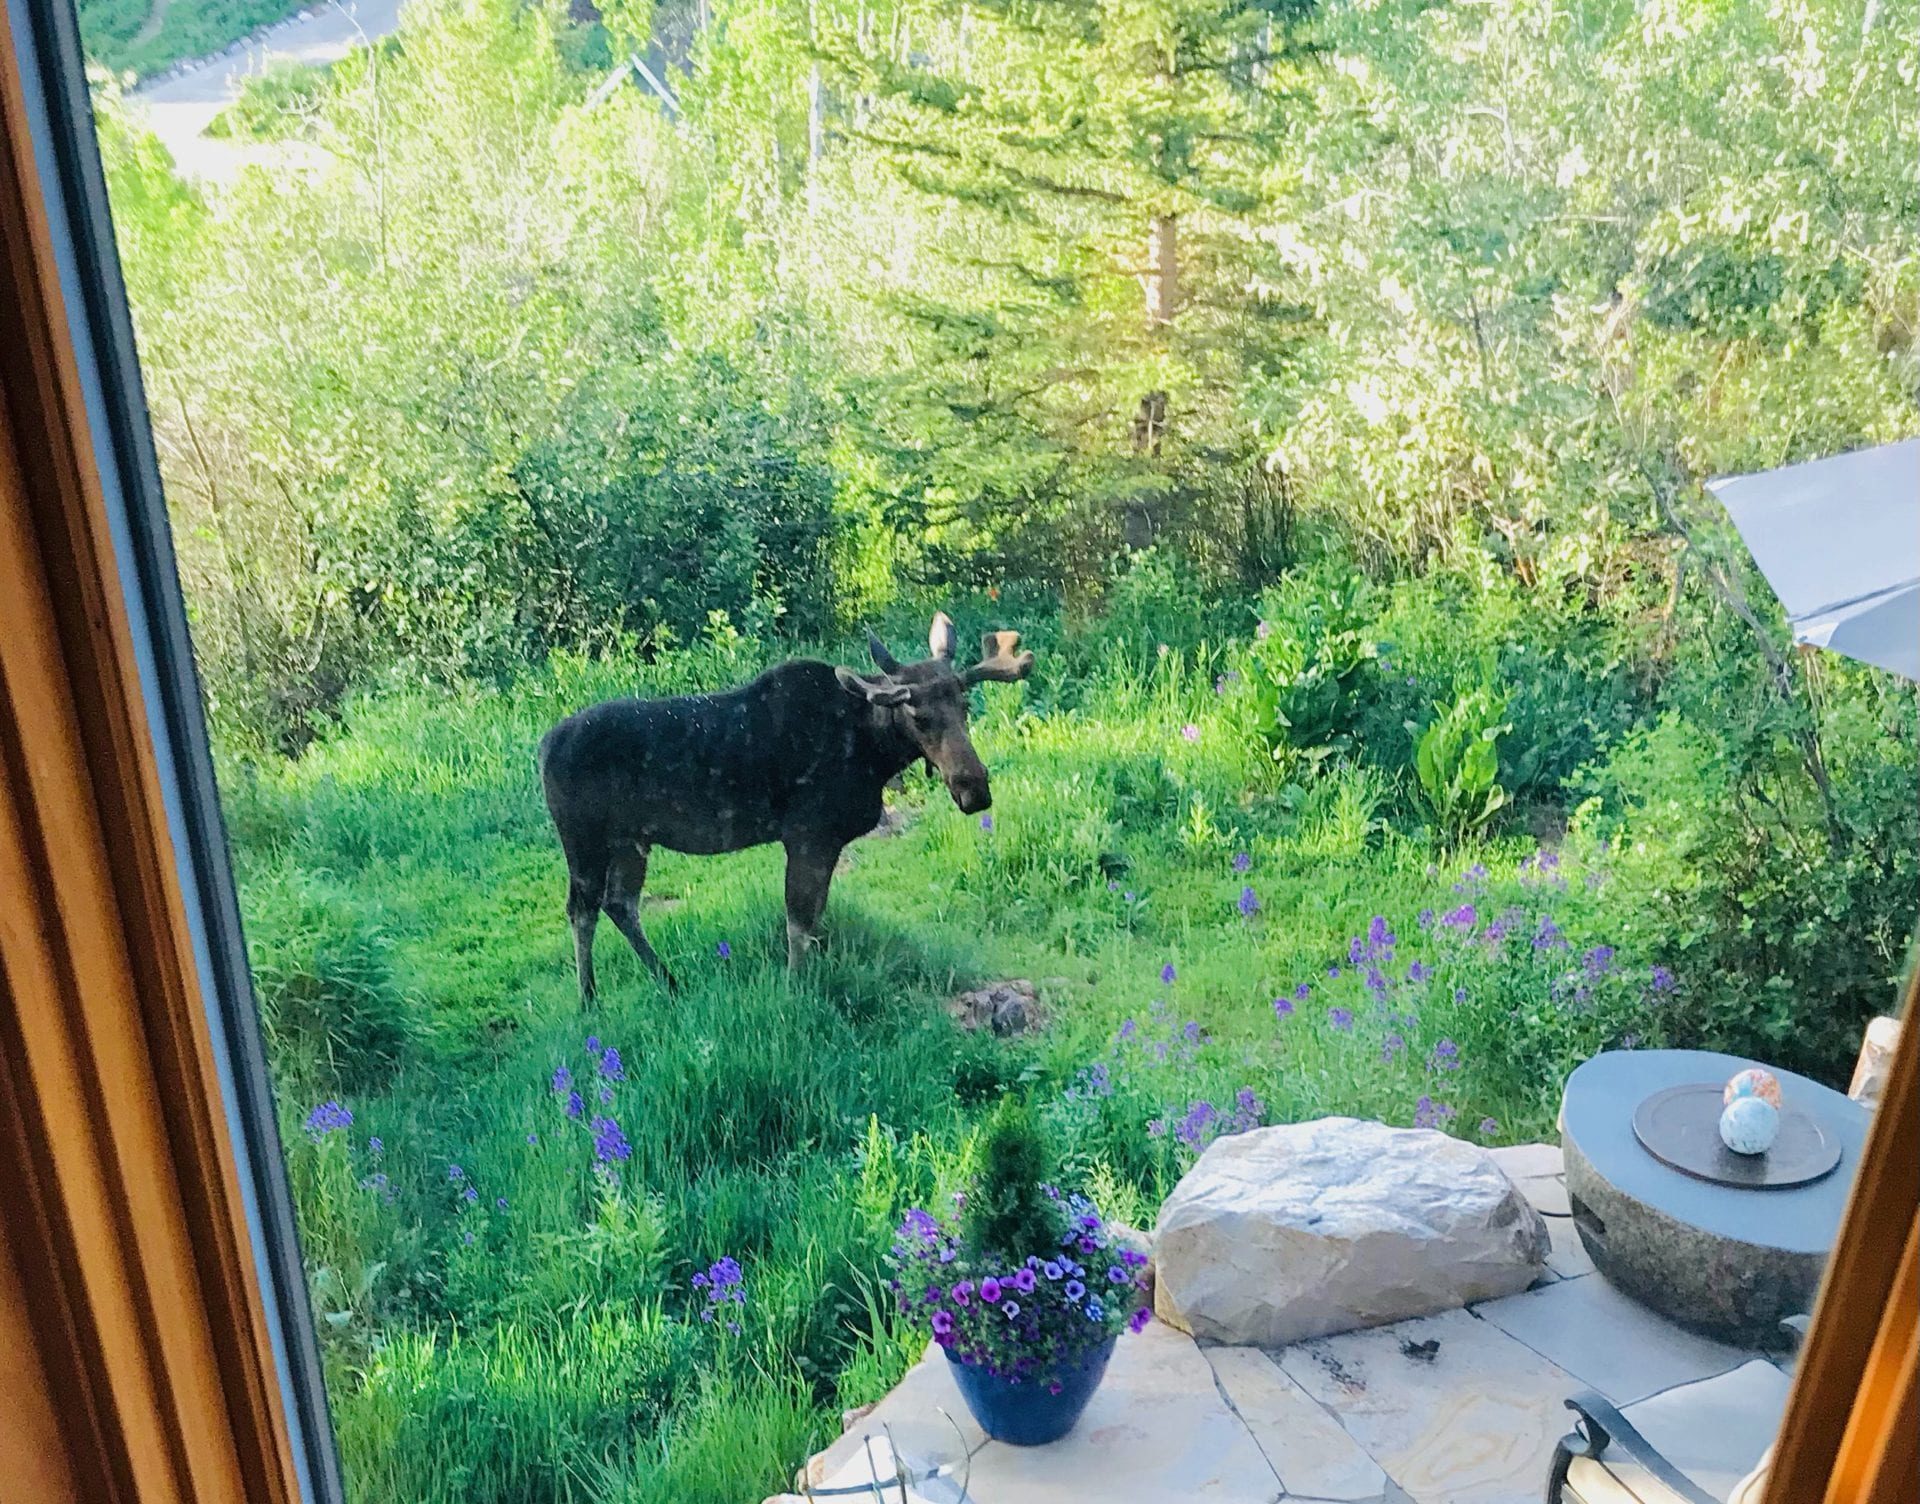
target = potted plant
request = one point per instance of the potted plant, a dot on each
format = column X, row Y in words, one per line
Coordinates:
column 1027, row 1294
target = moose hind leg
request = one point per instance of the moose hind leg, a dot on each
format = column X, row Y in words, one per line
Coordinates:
column 583, row 913
column 809, row 876
column 626, row 875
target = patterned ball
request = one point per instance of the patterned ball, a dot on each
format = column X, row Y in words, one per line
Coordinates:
column 1749, row 1125
column 1754, row 1083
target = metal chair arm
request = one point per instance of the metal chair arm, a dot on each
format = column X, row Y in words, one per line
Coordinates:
column 1599, row 1426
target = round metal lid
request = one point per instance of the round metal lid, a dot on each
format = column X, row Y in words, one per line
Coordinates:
column 1681, row 1127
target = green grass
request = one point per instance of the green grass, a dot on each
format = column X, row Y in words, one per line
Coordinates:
column 540, row 1342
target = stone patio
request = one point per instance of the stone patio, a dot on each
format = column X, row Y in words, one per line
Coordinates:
column 1460, row 1408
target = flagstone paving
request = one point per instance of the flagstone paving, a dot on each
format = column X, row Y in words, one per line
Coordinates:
column 1461, row 1408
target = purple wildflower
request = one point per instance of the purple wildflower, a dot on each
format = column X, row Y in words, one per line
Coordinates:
column 1242, row 861
column 1340, row 1018
column 562, row 1078
column 1663, row 980
column 1418, row 972
column 1428, row 1113
column 1249, row 904
column 1463, row 918
column 1489, row 1127
column 610, row 1066
column 1598, row 961
column 1167, row 973
column 1190, row 731
column 609, row 1143
column 576, row 1107
column 986, row 823
column 456, row 1174
column 1445, row 1056
column 1390, row 1048
column 1282, row 1007
column 328, row 1117
column 724, row 951
column 1425, row 919
column 470, row 1196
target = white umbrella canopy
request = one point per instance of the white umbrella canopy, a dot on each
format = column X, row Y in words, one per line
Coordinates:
column 1839, row 541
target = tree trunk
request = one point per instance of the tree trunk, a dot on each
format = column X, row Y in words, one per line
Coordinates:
column 1163, row 270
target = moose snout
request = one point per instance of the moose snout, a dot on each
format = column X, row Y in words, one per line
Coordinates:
column 971, row 794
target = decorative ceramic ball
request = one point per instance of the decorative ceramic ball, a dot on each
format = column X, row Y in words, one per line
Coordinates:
column 1754, row 1083
column 1749, row 1125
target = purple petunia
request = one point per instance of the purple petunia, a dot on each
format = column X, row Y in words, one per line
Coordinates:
column 1074, row 1289
column 1023, row 1281
column 942, row 1323
column 990, row 1290
column 1137, row 1322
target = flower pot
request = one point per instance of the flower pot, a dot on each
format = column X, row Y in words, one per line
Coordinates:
column 1029, row 1414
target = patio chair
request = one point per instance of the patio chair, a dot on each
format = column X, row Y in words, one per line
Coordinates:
column 1708, row 1442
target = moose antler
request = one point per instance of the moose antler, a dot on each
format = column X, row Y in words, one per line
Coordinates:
column 998, row 661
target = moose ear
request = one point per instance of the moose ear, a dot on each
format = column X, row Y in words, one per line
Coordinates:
column 883, row 660
column 942, row 640
column 873, row 691
column 999, row 661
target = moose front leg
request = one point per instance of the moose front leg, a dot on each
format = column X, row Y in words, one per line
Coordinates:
column 810, row 867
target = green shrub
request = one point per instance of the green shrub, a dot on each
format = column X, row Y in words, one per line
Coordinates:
column 1457, row 761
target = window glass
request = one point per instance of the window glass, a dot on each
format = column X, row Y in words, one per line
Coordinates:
column 1186, row 515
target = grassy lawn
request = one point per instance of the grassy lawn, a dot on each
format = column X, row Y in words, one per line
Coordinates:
column 504, row 1288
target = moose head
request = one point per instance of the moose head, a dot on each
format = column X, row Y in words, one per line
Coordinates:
column 926, row 702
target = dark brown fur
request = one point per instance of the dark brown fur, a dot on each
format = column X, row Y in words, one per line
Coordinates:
column 798, row 756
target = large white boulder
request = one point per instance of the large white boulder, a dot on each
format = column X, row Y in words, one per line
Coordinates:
column 1315, row 1228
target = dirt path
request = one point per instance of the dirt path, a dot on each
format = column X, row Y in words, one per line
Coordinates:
column 180, row 107
column 150, row 28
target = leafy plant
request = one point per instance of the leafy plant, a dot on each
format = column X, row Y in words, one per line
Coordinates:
column 1457, row 761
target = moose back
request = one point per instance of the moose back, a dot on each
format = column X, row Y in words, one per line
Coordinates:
column 798, row 756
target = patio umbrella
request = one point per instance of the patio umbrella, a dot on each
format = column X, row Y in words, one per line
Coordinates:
column 1839, row 541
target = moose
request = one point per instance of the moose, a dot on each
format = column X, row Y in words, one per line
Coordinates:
column 798, row 756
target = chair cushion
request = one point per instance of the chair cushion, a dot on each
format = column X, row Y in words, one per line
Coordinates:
column 1715, row 1431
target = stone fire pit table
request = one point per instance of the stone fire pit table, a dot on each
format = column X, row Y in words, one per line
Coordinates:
column 1729, row 1261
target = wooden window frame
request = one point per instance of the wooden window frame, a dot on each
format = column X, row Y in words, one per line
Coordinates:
column 157, row 1336
column 153, row 1310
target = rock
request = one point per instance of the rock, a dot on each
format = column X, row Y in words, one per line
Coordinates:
column 1876, row 1060
column 1007, row 1008
column 851, row 1418
column 1306, row 1230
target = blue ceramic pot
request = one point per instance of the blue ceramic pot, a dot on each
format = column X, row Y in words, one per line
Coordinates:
column 1026, row 1414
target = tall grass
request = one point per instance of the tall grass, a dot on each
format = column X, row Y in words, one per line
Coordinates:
column 505, row 1290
